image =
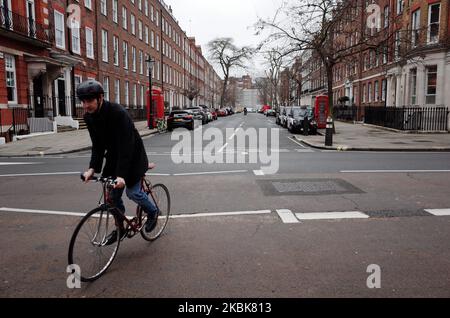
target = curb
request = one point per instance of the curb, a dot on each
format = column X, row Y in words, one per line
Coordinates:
column 348, row 148
column 64, row 152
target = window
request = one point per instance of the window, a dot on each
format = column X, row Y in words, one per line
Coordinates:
column 103, row 8
column 376, row 88
column 386, row 16
column 89, row 43
column 141, row 62
column 385, row 53
column 369, row 92
column 59, row 30
column 116, row 50
column 157, row 43
column 11, row 85
column 140, row 29
column 400, row 6
column 433, row 22
column 133, row 24
column 397, row 44
column 152, row 16
column 124, row 18
column 125, row 54
column 142, row 96
column 364, row 93
column 134, row 94
column 157, row 18
column 146, row 8
column 127, row 93
column 431, row 84
column 146, row 35
column 133, row 58
column 383, row 89
column 140, row 5
column 117, row 91
column 75, row 30
column 152, row 39
column 104, row 46
column 413, row 85
column 415, row 28
column 115, row 13
column 88, row 4
column 106, row 87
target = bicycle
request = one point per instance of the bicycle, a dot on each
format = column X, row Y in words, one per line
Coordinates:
column 88, row 247
column 161, row 125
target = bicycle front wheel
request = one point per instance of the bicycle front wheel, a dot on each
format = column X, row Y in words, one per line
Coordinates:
column 161, row 197
column 88, row 247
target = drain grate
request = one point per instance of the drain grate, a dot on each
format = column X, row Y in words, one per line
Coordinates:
column 307, row 187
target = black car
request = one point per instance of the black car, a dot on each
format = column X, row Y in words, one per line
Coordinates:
column 304, row 121
column 180, row 118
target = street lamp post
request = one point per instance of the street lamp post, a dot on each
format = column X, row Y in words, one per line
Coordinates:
column 150, row 62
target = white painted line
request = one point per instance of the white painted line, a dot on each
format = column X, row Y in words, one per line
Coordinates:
column 439, row 212
column 287, row 216
column 158, row 174
column 220, row 214
column 211, row 172
column 234, row 134
column 258, row 172
column 393, row 171
column 41, row 174
column 19, row 163
column 42, row 212
column 223, row 147
column 331, row 215
column 293, row 140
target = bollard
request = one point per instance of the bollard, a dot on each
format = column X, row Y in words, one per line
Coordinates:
column 329, row 132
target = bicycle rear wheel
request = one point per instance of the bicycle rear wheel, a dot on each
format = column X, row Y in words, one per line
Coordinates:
column 87, row 247
column 162, row 201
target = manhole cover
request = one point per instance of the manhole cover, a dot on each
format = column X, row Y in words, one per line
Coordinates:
column 40, row 148
column 307, row 187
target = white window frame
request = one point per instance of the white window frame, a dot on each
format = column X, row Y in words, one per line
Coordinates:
column 124, row 18
column 376, row 90
column 125, row 54
column 141, row 62
column 115, row 11
column 116, row 50
column 140, row 29
column 146, row 8
column 117, row 91
column 103, row 8
column 127, row 93
column 413, row 86
column 152, row 39
column 61, row 44
column 436, row 40
column 10, row 66
column 427, row 84
column 415, row 28
column 142, row 93
column 89, row 43
column 133, row 58
column 105, row 54
column 146, row 36
column 133, row 23
column 400, row 6
column 76, row 38
column 383, row 89
column 106, row 87
column 134, row 94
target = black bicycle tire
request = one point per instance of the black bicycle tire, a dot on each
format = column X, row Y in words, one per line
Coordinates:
column 73, row 240
column 154, row 238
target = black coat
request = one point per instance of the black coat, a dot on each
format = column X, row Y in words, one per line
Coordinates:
column 115, row 138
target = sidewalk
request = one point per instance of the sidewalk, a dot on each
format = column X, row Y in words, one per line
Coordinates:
column 361, row 137
column 58, row 143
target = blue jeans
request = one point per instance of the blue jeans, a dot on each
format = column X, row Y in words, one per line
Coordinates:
column 136, row 195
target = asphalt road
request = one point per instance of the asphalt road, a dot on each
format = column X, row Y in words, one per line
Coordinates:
column 256, row 254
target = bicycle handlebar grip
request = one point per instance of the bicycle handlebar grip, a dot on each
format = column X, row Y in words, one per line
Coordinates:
column 93, row 178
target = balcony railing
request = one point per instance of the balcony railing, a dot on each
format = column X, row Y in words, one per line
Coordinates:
column 25, row 26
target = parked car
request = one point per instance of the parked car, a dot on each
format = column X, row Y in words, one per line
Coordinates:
column 304, row 121
column 270, row 112
column 284, row 116
column 294, row 114
column 264, row 108
column 199, row 114
column 214, row 114
column 222, row 112
column 180, row 118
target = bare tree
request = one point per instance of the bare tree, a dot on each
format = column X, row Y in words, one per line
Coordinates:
column 274, row 60
column 228, row 56
column 191, row 92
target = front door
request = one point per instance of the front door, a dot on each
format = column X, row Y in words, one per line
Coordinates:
column 61, row 97
column 38, row 97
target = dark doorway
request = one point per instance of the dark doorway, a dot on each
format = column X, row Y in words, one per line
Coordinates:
column 62, row 97
column 38, row 97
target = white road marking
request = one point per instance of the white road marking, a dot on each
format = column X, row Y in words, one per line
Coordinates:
column 287, row 216
column 331, row 215
column 439, row 212
column 220, row 214
column 19, row 163
column 293, row 140
column 393, row 171
column 211, row 172
column 179, row 216
column 158, row 174
column 234, row 134
column 40, row 174
column 258, row 172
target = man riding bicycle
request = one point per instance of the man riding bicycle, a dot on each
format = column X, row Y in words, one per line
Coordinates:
column 115, row 138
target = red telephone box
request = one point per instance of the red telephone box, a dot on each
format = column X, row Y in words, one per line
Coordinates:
column 157, row 110
column 321, row 111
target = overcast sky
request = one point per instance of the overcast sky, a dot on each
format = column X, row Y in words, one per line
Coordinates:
column 209, row 19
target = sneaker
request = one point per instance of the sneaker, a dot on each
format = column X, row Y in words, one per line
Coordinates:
column 112, row 237
column 151, row 223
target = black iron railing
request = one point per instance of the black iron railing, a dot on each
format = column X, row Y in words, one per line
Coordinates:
column 346, row 113
column 26, row 26
column 408, row 118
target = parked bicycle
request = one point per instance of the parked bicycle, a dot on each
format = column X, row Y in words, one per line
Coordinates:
column 88, row 248
column 161, row 125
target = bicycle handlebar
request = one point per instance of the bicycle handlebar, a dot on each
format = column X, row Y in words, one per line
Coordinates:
column 109, row 180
